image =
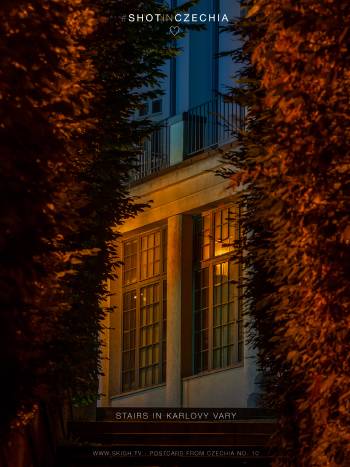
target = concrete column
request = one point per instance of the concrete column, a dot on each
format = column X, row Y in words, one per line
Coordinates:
column 174, row 265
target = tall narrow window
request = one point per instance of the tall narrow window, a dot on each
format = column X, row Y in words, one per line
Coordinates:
column 150, row 255
column 223, row 315
column 201, row 316
column 144, row 310
column 218, row 323
column 129, row 339
column 150, row 329
column 164, row 324
column 224, row 226
column 130, row 262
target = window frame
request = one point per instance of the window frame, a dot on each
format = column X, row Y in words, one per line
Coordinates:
column 154, row 104
column 211, row 262
column 159, row 279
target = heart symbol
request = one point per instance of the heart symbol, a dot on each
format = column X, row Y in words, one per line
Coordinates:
column 174, row 30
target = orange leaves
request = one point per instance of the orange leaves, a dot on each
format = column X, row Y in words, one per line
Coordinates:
column 46, row 87
column 254, row 10
column 24, row 416
column 328, row 382
column 296, row 170
column 293, row 356
column 345, row 236
column 82, row 22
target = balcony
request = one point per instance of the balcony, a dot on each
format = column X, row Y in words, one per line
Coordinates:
column 206, row 126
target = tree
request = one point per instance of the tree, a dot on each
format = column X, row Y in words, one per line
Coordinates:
column 44, row 108
column 71, row 79
column 292, row 166
column 127, row 58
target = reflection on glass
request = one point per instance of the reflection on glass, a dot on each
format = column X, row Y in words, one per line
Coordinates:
column 150, row 343
column 129, row 340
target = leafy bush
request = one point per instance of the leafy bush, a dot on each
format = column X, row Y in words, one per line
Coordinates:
column 292, row 167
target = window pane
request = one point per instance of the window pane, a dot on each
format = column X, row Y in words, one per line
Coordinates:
column 150, row 255
column 164, row 331
column 224, row 335
column 224, row 291
column 217, row 316
column 205, row 277
column 223, row 314
column 201, row 316
column 217, row 323
column 224, row 231
column 217, row 295
column 156, row 355
column 129, row 340
column 231, row 355
column 217, row 274
column 130, row 258
column 157, row 253
column 150, row 241
column 204, row 361
column 205, row 237
column 217, row 337
column 144, row 348
column 217, row 359
column 143, row 264
column 150, row 328
column 143, row 337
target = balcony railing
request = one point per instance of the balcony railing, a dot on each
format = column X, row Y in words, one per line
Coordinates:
column 155, row 154
column 203, row 127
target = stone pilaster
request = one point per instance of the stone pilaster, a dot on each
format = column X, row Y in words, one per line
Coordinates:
column 174, row 266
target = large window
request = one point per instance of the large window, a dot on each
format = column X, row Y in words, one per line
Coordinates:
column 218, row 331
column 144, row 310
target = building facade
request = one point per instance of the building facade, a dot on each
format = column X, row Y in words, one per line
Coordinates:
column 177, row 335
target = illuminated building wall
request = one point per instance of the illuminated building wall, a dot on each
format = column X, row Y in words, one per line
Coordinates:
column 177, row 335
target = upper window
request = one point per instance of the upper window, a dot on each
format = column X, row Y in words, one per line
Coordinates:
column 157, row 106
column 144, row 310
column 130, row 262
column 154, row 107
column 217, row 233
column 218, row 331
column 150, row 255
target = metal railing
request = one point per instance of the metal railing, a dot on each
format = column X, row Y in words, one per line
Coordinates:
column 203, row 127
column 211, row 124
column 155, row 152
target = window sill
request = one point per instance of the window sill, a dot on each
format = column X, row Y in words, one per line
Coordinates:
column 137, row 391
column 211, row 372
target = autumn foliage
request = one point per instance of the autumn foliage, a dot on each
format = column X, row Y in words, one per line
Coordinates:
column 70, row 79
column 44, row 110
column 293, row 170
